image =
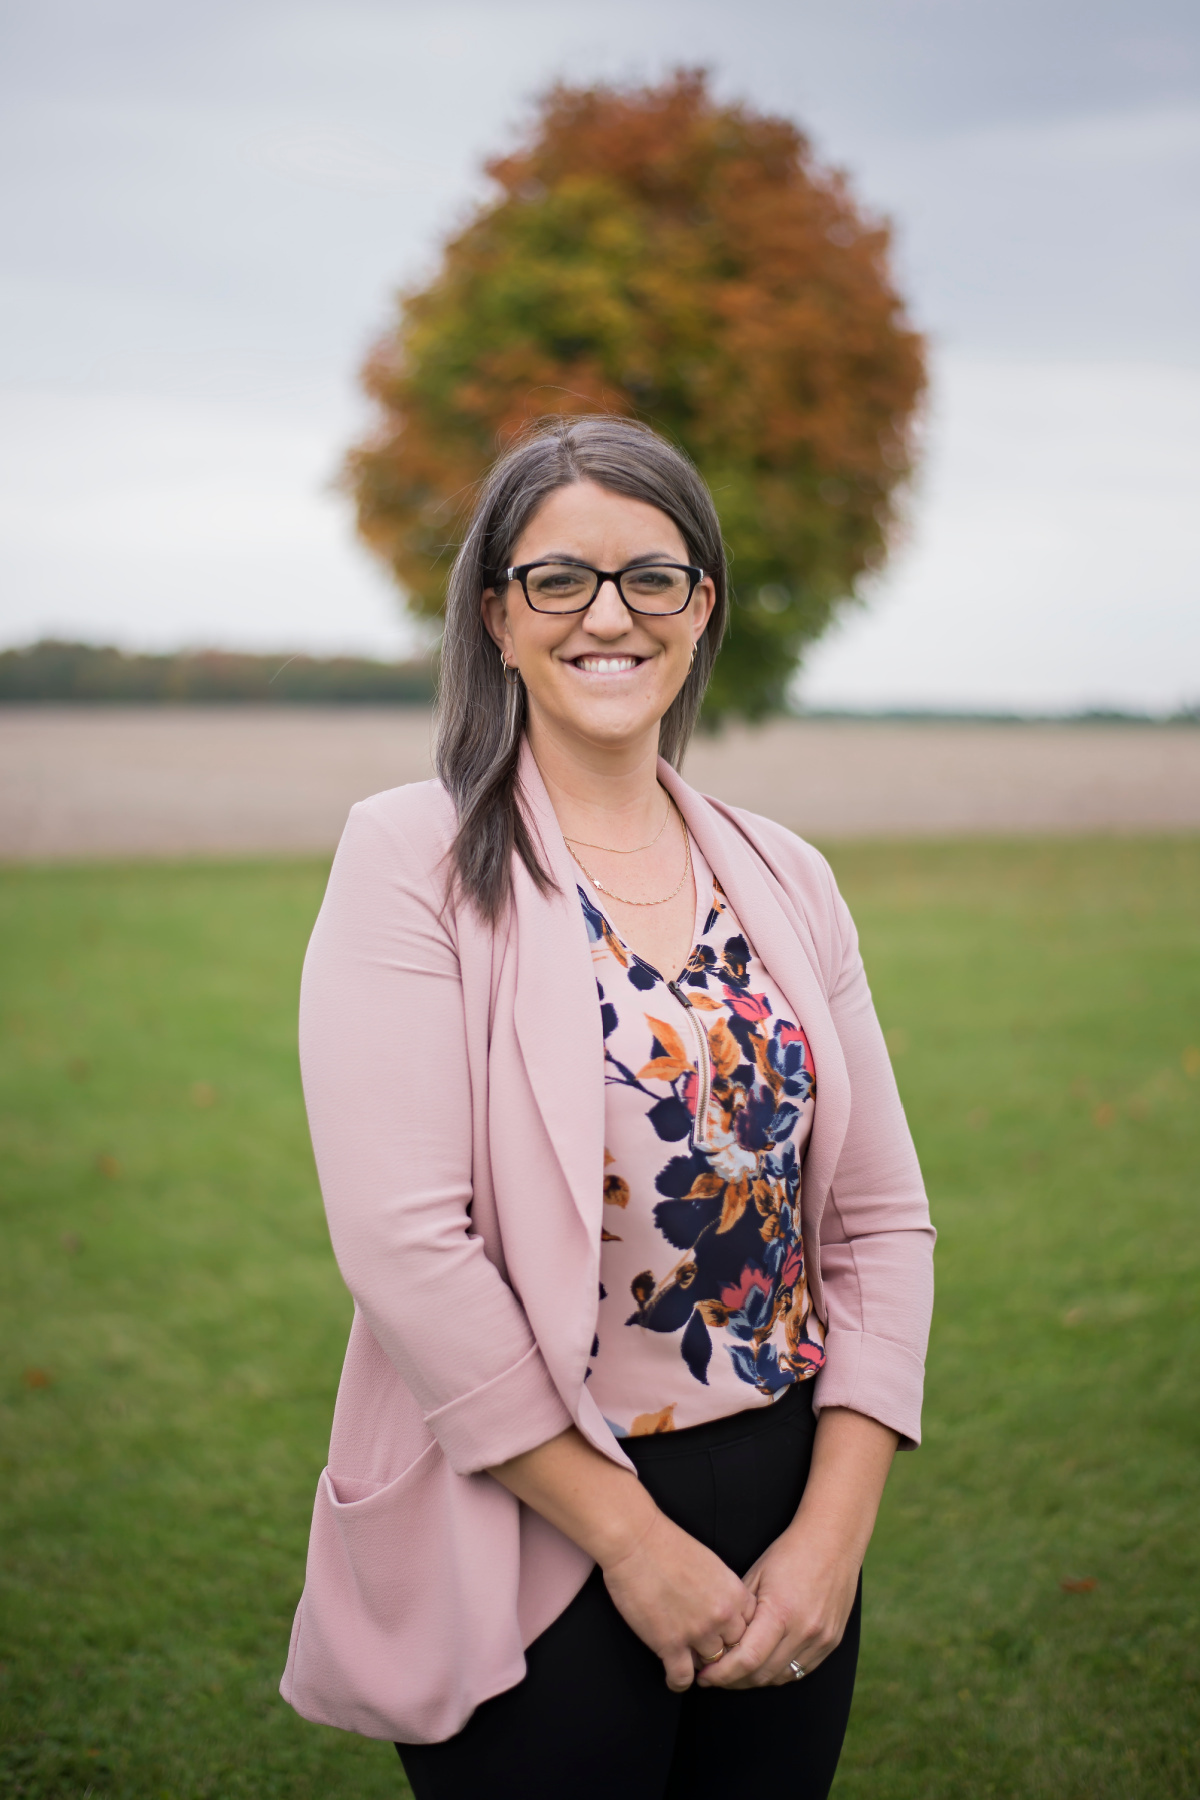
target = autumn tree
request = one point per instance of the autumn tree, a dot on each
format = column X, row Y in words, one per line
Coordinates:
column 654, row 253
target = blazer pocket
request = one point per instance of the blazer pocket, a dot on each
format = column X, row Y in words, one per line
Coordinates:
column 401, row 1580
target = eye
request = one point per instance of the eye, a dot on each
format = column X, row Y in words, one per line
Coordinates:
column 558, row 580
column 656, row 582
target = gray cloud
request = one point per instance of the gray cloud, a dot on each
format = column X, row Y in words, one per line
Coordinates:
column 210, row 204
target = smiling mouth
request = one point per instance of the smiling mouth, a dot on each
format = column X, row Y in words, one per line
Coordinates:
column 607, row 665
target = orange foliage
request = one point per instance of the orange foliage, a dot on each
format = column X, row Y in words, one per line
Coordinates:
column 652, row 252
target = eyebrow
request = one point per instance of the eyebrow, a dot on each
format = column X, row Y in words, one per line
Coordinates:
column 581, row 562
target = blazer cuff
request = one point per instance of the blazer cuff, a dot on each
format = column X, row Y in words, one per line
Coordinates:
column 875, row 1376
column 512, row 1413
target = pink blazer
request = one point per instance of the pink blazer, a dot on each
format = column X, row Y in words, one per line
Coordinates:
column 454, row 1083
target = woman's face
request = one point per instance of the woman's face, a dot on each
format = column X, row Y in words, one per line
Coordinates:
column 606, row 675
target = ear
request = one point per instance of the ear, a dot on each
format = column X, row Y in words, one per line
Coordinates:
column 494, row 613
column 703, row 601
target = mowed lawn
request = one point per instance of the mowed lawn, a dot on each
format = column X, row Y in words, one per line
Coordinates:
column 173, row 1326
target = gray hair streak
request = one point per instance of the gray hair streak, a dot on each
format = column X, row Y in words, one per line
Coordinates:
column 480, row 716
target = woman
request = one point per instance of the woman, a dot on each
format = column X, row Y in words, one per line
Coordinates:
column 618, row 1176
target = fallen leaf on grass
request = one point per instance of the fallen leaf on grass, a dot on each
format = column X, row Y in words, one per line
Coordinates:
column 1086, row 1586
column 1104, row 1114
column 108, row 1166
column 36, row 1378
column 203, row 1093
column 71, row 1242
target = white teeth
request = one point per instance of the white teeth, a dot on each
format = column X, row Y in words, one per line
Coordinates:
column 606, row 665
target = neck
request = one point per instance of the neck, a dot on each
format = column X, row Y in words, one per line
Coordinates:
column 608, row 793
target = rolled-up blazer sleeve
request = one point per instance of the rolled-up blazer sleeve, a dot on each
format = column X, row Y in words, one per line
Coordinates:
column 876, row 1236
column 386, row 1079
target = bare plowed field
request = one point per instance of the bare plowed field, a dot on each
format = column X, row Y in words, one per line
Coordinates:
column 140, row 781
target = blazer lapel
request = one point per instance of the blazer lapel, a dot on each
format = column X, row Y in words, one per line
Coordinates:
column 557, row 1016
column 775, row 924
column 556, row 1009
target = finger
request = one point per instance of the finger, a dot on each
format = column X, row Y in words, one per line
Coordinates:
column 777, row 1668
column 759, row 1641
column 709, row 1650
column 680, row 1670
column 734, row 1626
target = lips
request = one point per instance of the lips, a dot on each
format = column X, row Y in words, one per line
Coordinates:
column 607, row 665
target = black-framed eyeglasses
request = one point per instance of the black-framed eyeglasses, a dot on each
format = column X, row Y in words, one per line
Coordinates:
column 656, row 589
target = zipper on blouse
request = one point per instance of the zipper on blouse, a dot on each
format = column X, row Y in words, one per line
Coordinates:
column 701, row 1135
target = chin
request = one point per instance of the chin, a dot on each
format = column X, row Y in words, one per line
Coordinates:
column 609, row 719
column 610, row 724
column 604, row 728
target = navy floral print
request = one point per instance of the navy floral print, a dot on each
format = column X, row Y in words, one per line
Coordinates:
column 710, row 1091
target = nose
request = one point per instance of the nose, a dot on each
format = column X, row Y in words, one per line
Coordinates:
column 608, row 615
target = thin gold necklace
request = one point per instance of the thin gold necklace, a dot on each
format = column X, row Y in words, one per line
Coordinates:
column 687, row 864
column 637, row 849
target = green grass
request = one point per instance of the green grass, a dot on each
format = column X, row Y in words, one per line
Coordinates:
column 173, row 1328
column 1044, row 1006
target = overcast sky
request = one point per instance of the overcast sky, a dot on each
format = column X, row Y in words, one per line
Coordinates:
column 207, row 207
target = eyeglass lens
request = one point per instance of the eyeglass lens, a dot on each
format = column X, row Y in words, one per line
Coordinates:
column 563, row 587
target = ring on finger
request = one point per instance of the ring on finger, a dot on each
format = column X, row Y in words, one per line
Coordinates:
column 713, row 1659
column 797, row 1671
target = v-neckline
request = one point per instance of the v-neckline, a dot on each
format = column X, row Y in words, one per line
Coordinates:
column 705, row 889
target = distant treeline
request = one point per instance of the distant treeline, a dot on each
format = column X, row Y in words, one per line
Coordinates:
column 95, row 674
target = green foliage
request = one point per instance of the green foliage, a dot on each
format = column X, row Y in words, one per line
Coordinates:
column 653, row 253
column 173, row 1327
column 52, row 670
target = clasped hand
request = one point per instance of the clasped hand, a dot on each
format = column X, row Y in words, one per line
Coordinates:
column 687, row 1605
column 679, row 1597
column 802, row 1599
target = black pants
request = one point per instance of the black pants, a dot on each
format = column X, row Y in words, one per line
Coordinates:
column 594, row 1719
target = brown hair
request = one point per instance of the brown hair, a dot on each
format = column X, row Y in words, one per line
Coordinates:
column 480, row 717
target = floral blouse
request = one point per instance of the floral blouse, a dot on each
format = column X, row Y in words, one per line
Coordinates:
column 709, row 1098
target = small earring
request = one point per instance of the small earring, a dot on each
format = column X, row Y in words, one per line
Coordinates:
column 511, row 673
column 695, row 647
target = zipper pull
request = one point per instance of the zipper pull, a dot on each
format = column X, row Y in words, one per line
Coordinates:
column 701, row 1134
